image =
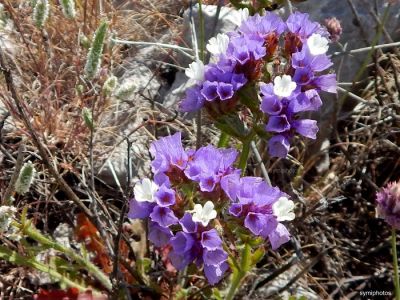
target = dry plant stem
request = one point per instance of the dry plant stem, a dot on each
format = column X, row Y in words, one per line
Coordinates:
column 366, row 49
column 38, row 143
column 259, row 160
column 395, row 264
column 18, row 165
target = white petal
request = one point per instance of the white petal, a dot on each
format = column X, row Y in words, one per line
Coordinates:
column 283, row 209
column 317, row 44
column 195, row 71
column 239, row 16
column 144, row 190
column 218, row 45
column 284, row 86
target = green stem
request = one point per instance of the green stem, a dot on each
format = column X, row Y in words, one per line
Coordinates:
column 33, row 233
column 244, row 155
column 223, row 140
column 14, row 258
column 239, row 274
column 202, row 36
column 395, row 264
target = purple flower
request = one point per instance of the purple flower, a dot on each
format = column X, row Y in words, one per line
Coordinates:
column 316, row 63
column 158, row 235
column 325, row 83
column 279, row 146
column 163, row 216
column 140, row 210
column 254, row 202
column 278, row 124
column 263, row 25
column 165, row 196
column 193, row 101
column 201, row 246
column 388, row 204
column 300, row 24
column 168, row 154
column 209, row 164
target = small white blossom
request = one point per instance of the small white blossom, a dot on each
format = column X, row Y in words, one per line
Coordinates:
column 218, row 45
column 317, row 44
column 284, row 86
column 204, row 214
column 283, row 209
column 7, row 213
column 239, row 16
column 195, row 71
column 145, row 190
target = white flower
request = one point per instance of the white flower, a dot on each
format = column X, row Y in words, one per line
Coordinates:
column 195, row 71
column 145, row 190
column 7, row 213
column 283, row 209
column 204, row 214
column 284, row 86
column 239, row 16
column 317, row 44
column 218, row 45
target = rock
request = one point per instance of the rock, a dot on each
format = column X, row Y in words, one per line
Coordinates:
column 124, row 116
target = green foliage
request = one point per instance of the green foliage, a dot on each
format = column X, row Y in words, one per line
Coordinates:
column 68, row 8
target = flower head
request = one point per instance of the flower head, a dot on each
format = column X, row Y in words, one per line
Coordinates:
column 7, row 213
column 388, row 204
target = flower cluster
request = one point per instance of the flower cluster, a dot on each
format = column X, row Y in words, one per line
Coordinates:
column 388, row 204
column 191, row 197
column 284, row 60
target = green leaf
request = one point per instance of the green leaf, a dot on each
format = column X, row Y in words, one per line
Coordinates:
column 232, row 125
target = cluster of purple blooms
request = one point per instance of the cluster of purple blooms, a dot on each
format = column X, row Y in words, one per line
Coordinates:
column 179, row 204
column 288, row 76
column 388, row 204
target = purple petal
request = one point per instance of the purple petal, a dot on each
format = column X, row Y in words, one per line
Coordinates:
column 278, row 124
column 307, row 128
column 214, row 257
column 279, row 236
column 271, row 105
column 165, row 196
column 163, row 216
column 278, row 146
column 207, row 184
column 225, row 91
column 211, row 240
column 193, row 100
column 326, row 83
column 236, row 209
column 139, row 210
column 255, row 222
column 180, row 261
column 303, row 76
column 187, row 223
column 215, row 273
column 182, row 242
column 159, row 236
column 209, row 90
column 229, row 184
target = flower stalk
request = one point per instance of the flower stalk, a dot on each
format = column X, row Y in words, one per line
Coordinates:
column 395, row 264
column 240, row 273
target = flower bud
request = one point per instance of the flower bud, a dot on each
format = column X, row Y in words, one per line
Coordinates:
column 7, row 213
column 109, row 85
column 388, row 204
column 87, row 117
column 334, row 28
column 126, row 90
